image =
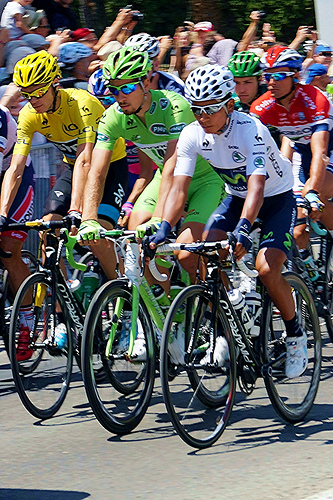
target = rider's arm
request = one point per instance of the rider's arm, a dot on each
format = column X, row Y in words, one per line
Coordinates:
column 169, row 163
column 11, row 182
column 176, row 199
column 319, row 145
column 94, row 186
column 80, row 175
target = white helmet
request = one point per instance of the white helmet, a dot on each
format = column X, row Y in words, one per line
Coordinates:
column 72, row 52
column 144, row 42
column 209, row 82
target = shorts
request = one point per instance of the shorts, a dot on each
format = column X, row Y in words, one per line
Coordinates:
column 278, row 215
column 204, row 196
column 22, row 208
column 59, row 198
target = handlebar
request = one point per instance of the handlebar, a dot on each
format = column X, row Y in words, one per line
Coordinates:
column 204, row 247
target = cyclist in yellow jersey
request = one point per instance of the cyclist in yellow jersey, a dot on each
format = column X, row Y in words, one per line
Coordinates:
column 68, row 118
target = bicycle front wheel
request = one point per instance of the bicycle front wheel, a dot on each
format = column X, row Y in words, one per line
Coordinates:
column 42, row 377
column 198, row 389
column 291, row 398
column 120, row 398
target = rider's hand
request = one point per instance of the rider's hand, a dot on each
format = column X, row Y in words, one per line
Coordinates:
column 3, row 222
column 148, row 228
column 161, row 234
column 74, row 217
column 89, row 231
column 125, row 213
column 317, row 206
column 242, row 235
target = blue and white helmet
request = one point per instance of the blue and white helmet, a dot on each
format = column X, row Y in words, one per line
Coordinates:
column 144, row 42
column 72, row 52
column 209, row 82
column 96, row 84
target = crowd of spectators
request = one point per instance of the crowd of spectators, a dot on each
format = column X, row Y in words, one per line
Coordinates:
column 28, row 26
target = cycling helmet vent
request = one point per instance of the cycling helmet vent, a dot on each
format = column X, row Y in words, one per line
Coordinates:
column 126, row 63
column 36, row 69
column 279, row 56
column 144, row 42
column 245, row 64
column 209, row 82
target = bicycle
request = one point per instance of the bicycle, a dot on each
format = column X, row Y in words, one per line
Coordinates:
column 123, row 313
column 42, row 381
column 199, row 398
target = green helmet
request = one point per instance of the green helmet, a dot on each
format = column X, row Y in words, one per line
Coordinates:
column 245, row 63
column 126, row 63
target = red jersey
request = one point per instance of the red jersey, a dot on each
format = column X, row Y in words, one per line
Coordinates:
column 309, row 111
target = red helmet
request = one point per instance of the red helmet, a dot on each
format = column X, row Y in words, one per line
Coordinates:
column 279, row 56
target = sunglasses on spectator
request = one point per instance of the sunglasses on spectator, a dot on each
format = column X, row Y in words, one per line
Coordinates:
column 39, row 93
column 210, row 109
column 326, row 54
column 125, row 89
column 44, row 26
column 282, row 75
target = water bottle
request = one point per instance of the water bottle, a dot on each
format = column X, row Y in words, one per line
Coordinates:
column 309, row 264
column 76, row 288
column 90, row 284
column 253, row 302
column 175, row 289
column 329, row 90
column 237, row 299
column 161, row 297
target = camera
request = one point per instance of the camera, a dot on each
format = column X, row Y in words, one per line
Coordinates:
column 262, row 14
column 136, row 15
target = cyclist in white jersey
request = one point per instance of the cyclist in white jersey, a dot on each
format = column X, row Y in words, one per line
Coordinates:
column 258, row 180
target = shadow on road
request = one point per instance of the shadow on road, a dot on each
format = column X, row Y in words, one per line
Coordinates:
column 18, row 494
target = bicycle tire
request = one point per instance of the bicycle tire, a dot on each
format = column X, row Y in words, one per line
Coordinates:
column 199, row 398
column 293, row 398
column 120, row 400
column 42, row 381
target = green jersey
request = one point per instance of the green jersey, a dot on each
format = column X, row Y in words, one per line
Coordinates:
column 168, row 114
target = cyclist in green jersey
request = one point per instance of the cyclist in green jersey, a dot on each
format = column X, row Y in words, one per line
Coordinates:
column 152, row 120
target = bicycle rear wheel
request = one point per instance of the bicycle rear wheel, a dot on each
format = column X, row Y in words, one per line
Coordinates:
column 120, row 399
column 291, row 398
column 42, row 380
column 199, row 396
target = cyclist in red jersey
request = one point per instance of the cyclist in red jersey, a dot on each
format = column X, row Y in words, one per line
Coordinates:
column 304, row 115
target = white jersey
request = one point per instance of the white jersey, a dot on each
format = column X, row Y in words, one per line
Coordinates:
column 245, row 148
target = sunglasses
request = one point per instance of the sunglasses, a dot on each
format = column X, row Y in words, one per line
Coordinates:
column 210, row 109
column 326, row 54
column 282, row 75
column 125, row 89
column 39, row 93
column 107, row 100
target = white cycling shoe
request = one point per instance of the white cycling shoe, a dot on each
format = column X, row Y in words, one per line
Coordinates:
column 297, row 356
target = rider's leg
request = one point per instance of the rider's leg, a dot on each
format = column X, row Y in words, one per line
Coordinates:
column 17, row 269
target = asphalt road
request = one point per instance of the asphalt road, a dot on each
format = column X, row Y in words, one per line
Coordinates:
column 71, row 457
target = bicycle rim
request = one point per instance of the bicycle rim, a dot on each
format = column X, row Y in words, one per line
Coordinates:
column 198, row 396
column 43, row 379
column 120, row 398
column 291, row 398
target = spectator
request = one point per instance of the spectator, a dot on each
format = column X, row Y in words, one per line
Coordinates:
column 107, row 49
column 75, row 61
column 37, row 22
column 59, row 13
column 36, row 42
column 12, row 18
column 86, row 36
column 318, row 77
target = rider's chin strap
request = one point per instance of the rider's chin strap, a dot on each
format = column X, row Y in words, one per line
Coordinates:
column 226, row 125
column 144, row 98
column 53, row 108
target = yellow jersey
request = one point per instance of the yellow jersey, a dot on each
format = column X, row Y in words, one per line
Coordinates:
column 73, row 123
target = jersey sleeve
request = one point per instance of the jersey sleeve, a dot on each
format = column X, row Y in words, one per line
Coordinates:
column 186, row 153
column 322, row 114
column 179, row 115
column 107, row 133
